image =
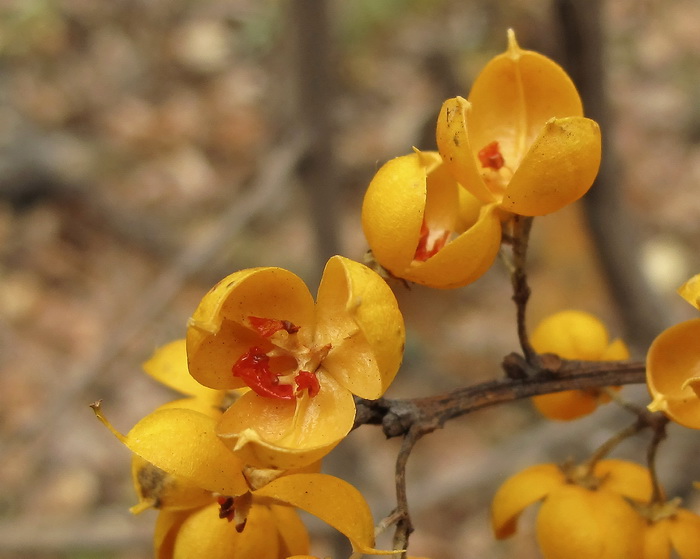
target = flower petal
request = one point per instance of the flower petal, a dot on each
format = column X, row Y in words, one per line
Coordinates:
column 294, row 538
column 577, row 522
column 457, row 149
column 217, row 333
column 331, row 499
column 161, row 490
column 464, row 259
column 673, row 360
column 558, row 168
column 571, row 334
column 685, row 534
column 520, row 491
column 393, row 210
column 204, row 534
column 358, row 315
column 690, row 291
column 184, row 443
column 168, row 365
column 625, row 478
column 515, row 94
column 267, row 433
column 566, row 405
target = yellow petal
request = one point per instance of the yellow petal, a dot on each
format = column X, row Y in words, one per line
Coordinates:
column 672, row 360
column 294, row 539
column 520, row 491
column 690, row 291
column 161, row 490
column 685, row 534
column 566, row 405
column 184, row 443
column 393, row 209
column 358, row 315
column 576, row 522
column 217, row 334
column 625, row 478
column 558, row 168
column 165, row 533
column 513, row 97
column 168, row 365
column 204, row 534
column 616, row 351
column 331, row 499
column 457, row 148
column 267, row 433
column 572, row 335
column 464, row 259
column 657, row 540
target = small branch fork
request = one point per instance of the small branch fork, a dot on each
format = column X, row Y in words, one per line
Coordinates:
column 527, row 374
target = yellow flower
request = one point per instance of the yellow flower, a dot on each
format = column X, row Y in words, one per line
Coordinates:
column 271, row 532
column 574, row 335
column 184, row 470
column 670, row 528
column 583, row 515
column 259, row 328
column 412, row 210
column 673, row 366
column 520, row 141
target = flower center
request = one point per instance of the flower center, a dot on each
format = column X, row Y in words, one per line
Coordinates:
column 496, row 172
column 287, row 370
column 429, row 243
column 491, row 157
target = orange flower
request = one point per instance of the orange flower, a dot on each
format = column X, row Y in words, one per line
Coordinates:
column 583, row 514
column 303, row 362
column 421, row 228
column 673, row 365
column 520, row 141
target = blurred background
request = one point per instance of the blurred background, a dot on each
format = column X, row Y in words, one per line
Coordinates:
column 150, row 147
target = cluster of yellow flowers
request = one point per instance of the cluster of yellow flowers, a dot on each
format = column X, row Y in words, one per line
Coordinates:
column 270, row 375
column 606, row 509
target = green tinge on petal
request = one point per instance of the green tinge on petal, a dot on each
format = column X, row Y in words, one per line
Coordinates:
column 520, row 491
column 456, row 148
column 331, row 499
column 464, row 259
column 267, row 433
column 512, row 98
column 161, row 490
column 218, row 332
column 168, row 365
column 358, row 315
column 690, row 291
column 558, row 169
column 184, row 443
column 393, row 209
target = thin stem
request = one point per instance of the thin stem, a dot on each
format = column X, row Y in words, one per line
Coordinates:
column 521, row 290
column 659, row 426
column 605, row 449
column 404, row 526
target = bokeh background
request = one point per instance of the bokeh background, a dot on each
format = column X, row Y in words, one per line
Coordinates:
column 150, row 147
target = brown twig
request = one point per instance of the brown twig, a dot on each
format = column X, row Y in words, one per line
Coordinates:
column 404, row 526
column 521, row 290
column 398, row 416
